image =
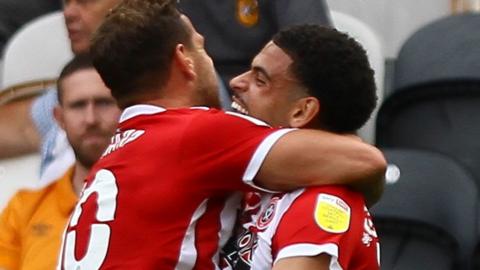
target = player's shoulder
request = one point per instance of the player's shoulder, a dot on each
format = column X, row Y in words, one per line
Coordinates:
column 329, row 208
column 321, row 198
column 225, row 116
column 340, row 191
column 214, row 121
column 198, row 116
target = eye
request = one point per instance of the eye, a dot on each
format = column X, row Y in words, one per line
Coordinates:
column 77, row 105
column 105, row 103
column 259, row 80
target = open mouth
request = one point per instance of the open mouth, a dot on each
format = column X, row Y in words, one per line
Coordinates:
column 238, row 106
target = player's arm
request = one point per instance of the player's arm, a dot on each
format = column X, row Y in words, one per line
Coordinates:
column 312, row 157
column 319, row 262
column 18, row 133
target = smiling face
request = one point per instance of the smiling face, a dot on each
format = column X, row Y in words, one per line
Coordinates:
column 88, row 114
column 268, row 91
column 82, row 18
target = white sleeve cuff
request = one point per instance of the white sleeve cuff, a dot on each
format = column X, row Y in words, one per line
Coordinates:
column 310, row 250
column 259, row 156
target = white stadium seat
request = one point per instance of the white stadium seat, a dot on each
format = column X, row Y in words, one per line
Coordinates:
column 34, row 56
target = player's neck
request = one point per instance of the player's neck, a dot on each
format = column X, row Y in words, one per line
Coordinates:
column 171, row 102
column 175, row 93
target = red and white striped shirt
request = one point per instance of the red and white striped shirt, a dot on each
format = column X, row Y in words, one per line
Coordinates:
column 330, row 220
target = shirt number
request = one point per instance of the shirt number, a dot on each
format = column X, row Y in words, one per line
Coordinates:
column 106, row 188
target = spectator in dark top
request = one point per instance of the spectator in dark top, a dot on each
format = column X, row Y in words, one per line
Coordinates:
column 235, row 30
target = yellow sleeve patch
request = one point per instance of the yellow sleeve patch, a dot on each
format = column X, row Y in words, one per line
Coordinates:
column 332, row 214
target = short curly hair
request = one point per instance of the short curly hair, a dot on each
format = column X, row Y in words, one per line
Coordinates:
column 134, row 46
column 335, row 69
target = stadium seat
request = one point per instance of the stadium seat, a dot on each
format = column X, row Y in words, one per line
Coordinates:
column 32, row 61
column 34, row 56
column 371, row 42
column 435, row 99
column 428, row 216
column 476, row 257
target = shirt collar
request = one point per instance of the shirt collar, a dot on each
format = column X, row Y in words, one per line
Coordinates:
column 140, row 109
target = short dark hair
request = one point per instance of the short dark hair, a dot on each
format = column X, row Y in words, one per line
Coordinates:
column 335, row 69
column 134, row 46
column 79, row 62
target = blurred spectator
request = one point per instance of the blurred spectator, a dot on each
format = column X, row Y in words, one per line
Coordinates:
column 235, row 30
column 32, row 224
column 28, row 125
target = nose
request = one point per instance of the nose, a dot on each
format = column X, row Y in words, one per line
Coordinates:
column 240, row 83
column 91, row 114
column 70, row 11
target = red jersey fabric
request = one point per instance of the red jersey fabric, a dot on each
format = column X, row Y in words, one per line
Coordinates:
column 161, row 195
column 307, row 222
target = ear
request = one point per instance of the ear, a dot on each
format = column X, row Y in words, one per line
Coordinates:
column 303, row 112
column 184, row 61
column 58, row 114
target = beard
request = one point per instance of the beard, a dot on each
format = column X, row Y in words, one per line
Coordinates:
column 208, row 96
column 207, row 85
column 87, row 153
column 87, row 156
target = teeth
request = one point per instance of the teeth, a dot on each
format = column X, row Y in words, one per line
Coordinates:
column 239, row 108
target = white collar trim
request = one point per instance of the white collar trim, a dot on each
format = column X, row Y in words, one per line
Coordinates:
column 142, row 109
column 146, row 109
